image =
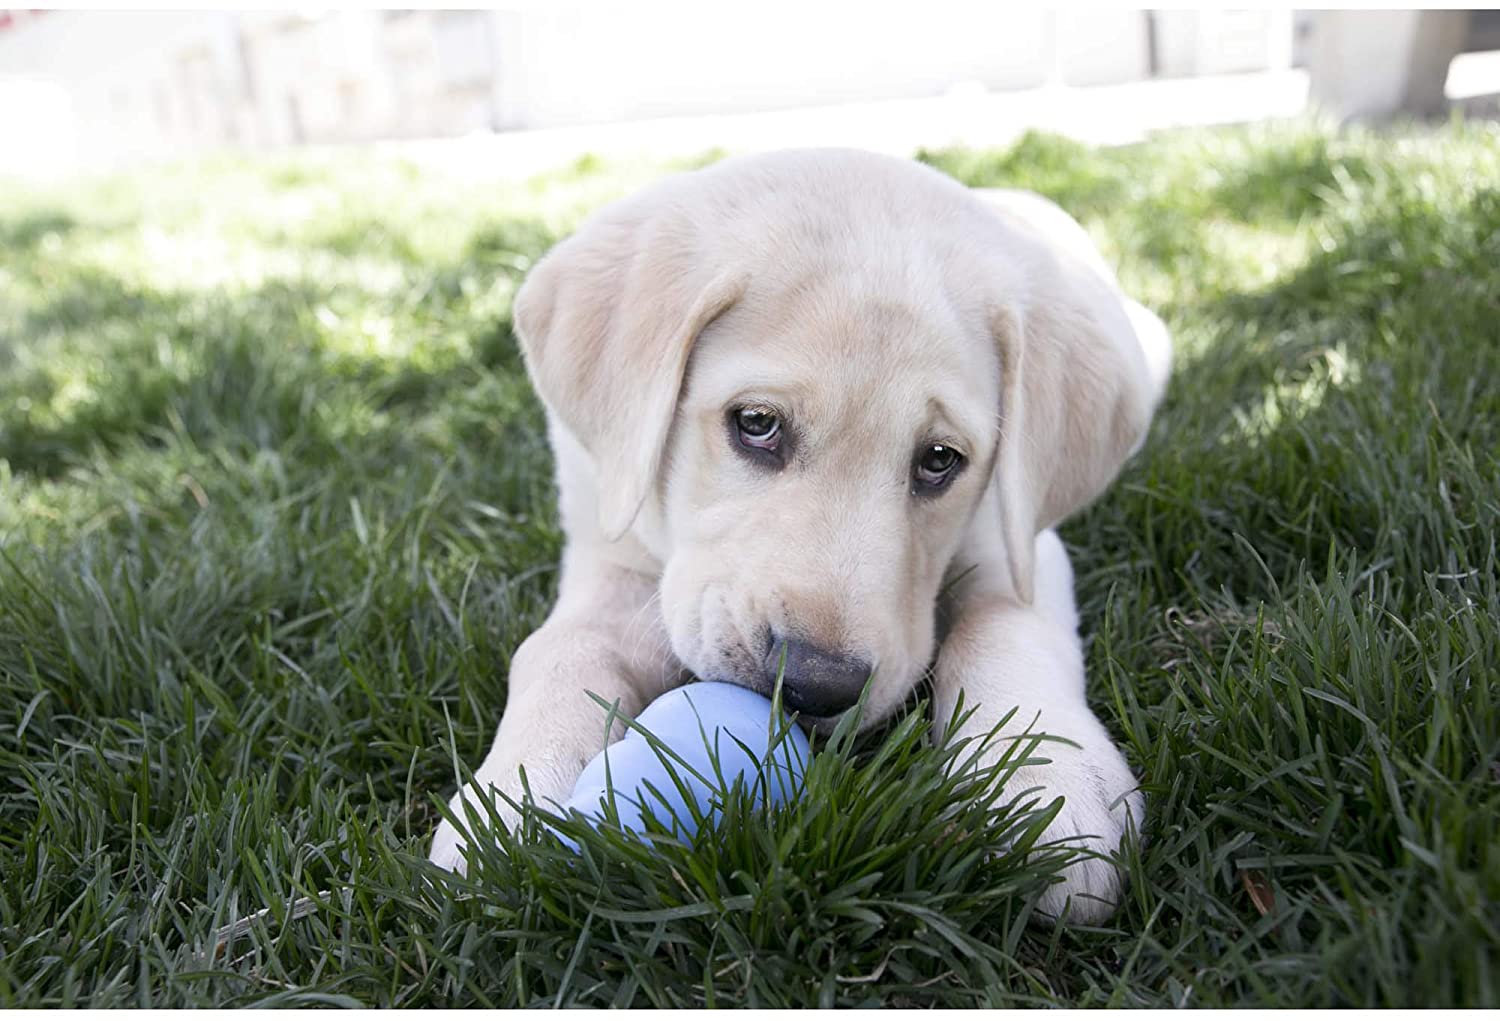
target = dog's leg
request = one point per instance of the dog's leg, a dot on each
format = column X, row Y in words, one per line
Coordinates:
column 1001, row 656
column 604, row 636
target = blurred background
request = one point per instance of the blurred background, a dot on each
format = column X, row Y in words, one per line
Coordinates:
column 527, row 85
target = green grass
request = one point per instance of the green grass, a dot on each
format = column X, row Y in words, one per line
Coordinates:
column 275, row 510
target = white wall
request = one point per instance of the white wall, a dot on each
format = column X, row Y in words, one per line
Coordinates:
column 143, row 84
column 569, row 63
column 135, row 83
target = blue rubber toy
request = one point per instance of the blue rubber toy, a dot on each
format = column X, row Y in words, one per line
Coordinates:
column 691, row 720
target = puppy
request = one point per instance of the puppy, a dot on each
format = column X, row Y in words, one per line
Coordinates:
column 792, row 396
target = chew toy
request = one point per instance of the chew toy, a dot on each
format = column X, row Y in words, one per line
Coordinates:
column 693, row 721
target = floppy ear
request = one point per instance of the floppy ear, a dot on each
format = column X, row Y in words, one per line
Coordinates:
column 606, row 322
column 1076, row 399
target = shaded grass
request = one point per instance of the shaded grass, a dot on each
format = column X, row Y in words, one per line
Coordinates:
column 275, row 511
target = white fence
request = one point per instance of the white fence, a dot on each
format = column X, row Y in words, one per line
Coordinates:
column 118, row 86
column 102, row 88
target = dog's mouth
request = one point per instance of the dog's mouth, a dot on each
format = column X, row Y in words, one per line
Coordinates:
column 815, row 717
column 819, row 683
column 872, row 713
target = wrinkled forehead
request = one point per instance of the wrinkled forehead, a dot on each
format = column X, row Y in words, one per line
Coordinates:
column 845, row 355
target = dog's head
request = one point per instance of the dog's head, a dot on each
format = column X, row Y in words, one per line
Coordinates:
column 814, row 385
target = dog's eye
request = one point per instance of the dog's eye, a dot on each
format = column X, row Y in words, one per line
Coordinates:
column 936, row 466
column 759, row 428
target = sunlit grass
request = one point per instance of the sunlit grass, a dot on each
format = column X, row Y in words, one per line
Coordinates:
column 275, row 511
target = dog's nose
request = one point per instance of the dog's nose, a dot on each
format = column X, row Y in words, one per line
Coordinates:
column 816, row 682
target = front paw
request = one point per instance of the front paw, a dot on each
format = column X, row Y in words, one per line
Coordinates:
column 1102, row 805
column 448, row 846
column 450, row 842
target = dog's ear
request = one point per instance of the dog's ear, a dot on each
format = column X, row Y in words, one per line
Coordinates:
column 606, row 322
column 1080, row 380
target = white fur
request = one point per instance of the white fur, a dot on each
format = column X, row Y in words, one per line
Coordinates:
column 879, row 306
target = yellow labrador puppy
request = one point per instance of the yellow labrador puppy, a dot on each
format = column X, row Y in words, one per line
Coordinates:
column 790, row 396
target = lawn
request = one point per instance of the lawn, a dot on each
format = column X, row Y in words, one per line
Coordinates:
column 275, row 510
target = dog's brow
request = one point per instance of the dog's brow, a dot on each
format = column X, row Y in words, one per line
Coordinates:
column 777, row 393
column 968, row 431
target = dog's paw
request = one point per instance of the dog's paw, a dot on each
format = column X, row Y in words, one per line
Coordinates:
column 450, row 842
column 1091, row 887
column 448, row 846
column 1101, row 806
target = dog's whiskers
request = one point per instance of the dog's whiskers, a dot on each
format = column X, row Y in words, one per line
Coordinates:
column 641, row 623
